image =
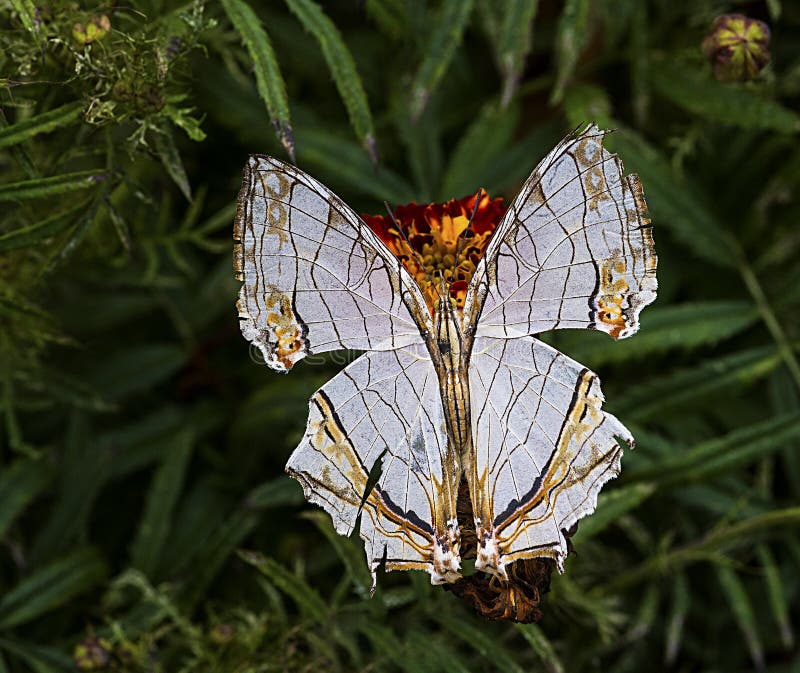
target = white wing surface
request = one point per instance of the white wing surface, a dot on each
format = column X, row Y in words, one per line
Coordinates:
column 385, row 406
column 543, row 449
column 573, row 250
column 316, row 278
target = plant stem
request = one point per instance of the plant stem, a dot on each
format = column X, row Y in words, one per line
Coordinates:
column 742, row 532
column 770, row 320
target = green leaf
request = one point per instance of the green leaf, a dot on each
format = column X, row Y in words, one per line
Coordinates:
column 138, row 368
column 41, row 658
column 165, row 488
column 426, row 653
column 216, row 551
column 269, row 80
column 349, row 551
column 199, row 515
column 20, row 152
column 712, row 457
column 384, row 640
column 162, row 599
column 682, row 386
column 142, row 440
column 83, row 471
column 479, row 640
column 737, row 597
column 724, row 536
column 422, row 140
column 640, row 32
column 45, row 187
column 182, row 118
column 280, row 492
column 121, row 227
column 702, row 95
column 540, row 644
column 674, row 204
column 681, row 600
column 51, row 587
column 32, row 234
column 42, row 123
column 219, row 544
column 508, row 170
column 785, row 399
column 342, row 67
column 573, row 32
column 642, row 621
column 391, row 16
column 20, row 483
column 27, row 14
column 611, row 505
column 514, row 42
column 445, row 39
column 584, row 103
column 171, row 159
column 745, row 531
column 777, row 593
column 76, row 236
column 330, row 153
column 481, row 145
column 306, row 598
column 684, row 326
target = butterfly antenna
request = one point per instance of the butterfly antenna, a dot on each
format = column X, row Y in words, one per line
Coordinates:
column 463, row 236
column 408, row 245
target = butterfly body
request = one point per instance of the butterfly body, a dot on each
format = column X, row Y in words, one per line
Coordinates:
column 451, row 389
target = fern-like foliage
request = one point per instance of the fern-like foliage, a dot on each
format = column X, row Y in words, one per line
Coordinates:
column 145, row 521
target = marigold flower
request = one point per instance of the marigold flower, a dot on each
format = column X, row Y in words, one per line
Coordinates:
column 436, row 240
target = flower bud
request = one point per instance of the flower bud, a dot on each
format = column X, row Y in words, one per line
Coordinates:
column 93, row 654
column 96, row 29
column 738, row 47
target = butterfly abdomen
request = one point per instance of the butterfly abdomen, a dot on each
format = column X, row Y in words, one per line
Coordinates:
column 449, row 351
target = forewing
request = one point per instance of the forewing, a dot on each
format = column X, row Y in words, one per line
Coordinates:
column 384, row 406
column 574, row 250
column 316, row 278
column 543, row 448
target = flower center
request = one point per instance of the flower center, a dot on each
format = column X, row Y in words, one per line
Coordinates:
column 436, row 241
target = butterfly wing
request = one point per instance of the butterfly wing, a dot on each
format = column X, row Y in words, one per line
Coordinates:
column 316, row 278
column 385, row 407
column 573, row 250
column 543, row 449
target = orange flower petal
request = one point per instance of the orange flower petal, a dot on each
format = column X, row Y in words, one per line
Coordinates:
column 437, row 241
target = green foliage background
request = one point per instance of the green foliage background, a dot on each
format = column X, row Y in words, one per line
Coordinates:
column 142, row 447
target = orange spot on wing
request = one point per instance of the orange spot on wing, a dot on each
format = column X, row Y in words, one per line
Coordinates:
column 611, row 296
column 290, row 340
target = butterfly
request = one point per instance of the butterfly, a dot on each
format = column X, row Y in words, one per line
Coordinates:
column 447, row 391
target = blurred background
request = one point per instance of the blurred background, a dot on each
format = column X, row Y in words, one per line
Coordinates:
column 145, row 520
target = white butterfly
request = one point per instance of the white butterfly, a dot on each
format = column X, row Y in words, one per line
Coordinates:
column 445, row 394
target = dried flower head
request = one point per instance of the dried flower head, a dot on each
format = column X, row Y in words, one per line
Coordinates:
column 519, row 598
column 738, row 47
